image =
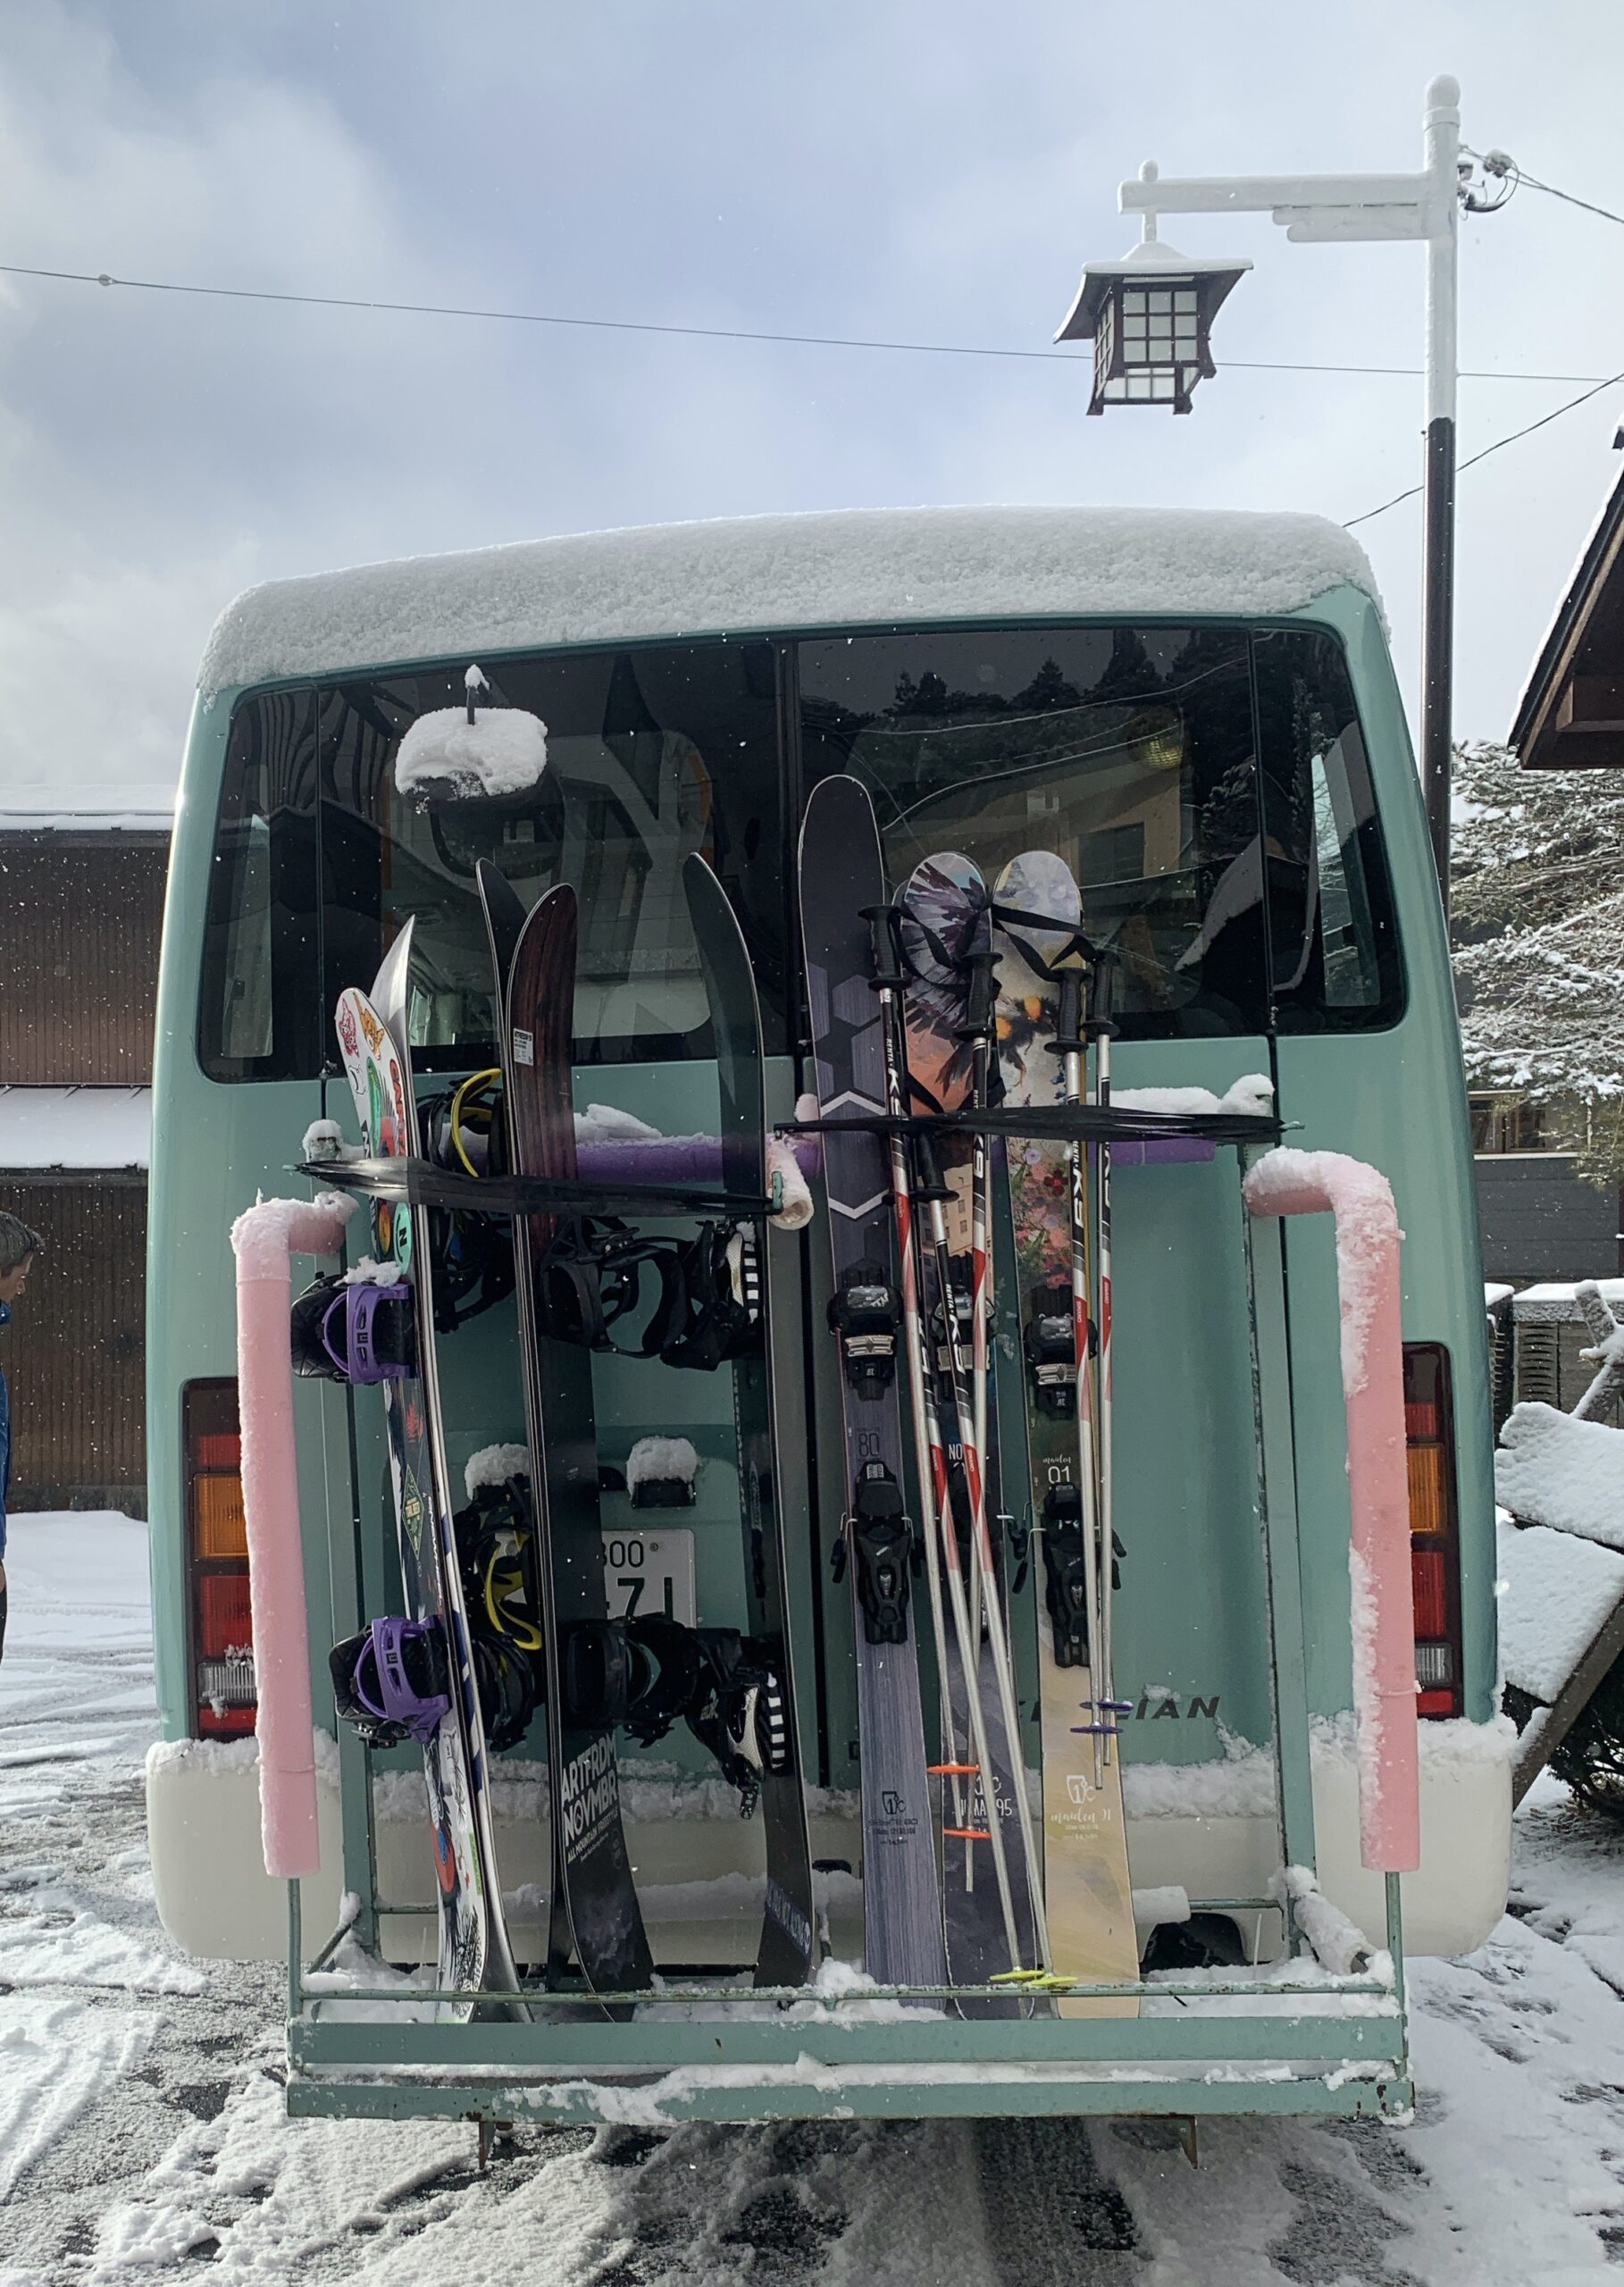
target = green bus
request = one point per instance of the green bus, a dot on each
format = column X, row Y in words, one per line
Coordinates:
column 1198, row 712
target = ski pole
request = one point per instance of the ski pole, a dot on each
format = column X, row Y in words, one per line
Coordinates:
column 1101, row 1030
column 930, row 1458
column 977, row 1028
column 932, row 1191
column 887, row 985
column 1069, row 1046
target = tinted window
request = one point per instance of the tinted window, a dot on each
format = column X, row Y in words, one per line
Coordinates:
column 1127, row 751
column 259, row 1016
column 1334, row 942
column 651, row 754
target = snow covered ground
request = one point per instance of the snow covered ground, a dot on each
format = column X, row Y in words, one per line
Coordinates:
column 141, row 2128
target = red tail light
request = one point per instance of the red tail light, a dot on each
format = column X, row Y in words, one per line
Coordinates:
column 223, row 1698
column 1434, row 1542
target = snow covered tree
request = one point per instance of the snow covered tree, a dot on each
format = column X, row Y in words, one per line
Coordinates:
column 1537, row 887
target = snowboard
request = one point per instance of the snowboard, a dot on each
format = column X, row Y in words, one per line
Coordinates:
column 841, row 875
column 943, row 906
column 473, row 1949
column 594, row 1913
column 788, row 1948
column 1087, row 1891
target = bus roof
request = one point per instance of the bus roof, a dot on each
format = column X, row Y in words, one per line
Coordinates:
column 762, row 575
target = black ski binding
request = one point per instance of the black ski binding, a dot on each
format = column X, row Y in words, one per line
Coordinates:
column 1052, row 1357
column 867, row 1314
column 1064, row 1575
column 882, row 1541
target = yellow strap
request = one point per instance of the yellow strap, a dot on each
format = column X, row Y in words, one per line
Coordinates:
column 475, row 1080
column 498, row 1588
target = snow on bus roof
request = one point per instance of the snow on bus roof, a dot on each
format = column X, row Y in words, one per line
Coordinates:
column 841, row 567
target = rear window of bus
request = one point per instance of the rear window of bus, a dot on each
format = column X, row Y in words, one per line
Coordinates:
column 1209, row 786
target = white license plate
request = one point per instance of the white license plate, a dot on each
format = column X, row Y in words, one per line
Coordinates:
column 650, row 1572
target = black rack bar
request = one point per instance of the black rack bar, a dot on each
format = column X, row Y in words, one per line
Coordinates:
column 416, row 1184
column 1062, row 1123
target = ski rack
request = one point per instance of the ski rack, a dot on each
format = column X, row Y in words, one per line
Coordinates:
column 1344, row 2051
column 413, row 1182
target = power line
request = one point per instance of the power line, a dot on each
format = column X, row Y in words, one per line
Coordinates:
column 1498, row 446
column 1551, row 191
column 1507, row 168
column 689, row 332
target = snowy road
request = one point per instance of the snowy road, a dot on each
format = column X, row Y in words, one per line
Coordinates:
column 140, row 2106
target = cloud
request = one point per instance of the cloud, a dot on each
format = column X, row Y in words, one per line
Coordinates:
column 930, row 171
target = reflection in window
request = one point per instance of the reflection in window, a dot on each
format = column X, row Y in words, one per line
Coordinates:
column 258, row 1015
column 1127, row 751
column 651, row 754
column 1332, row 933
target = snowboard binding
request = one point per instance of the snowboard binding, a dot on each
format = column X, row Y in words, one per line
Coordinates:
column 721, row 1684
column 353, row 1330
column 494, row 1541
column 392, row 1682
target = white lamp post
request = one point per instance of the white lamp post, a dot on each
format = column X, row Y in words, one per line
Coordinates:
column 1311, row 209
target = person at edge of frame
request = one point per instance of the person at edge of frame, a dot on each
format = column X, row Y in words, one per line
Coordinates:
column 18, row 1247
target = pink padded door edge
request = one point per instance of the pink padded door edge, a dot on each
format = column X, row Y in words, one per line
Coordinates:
column 1360, row 1200
column 263, row 1239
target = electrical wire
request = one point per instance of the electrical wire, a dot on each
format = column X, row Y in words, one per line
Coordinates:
column 1517, row 175
column 691, row 332
column 1498, row 446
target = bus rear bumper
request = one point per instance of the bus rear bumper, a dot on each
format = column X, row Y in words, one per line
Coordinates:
column 700, row 1866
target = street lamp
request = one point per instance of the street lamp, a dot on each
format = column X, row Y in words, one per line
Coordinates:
column 1311, row 210
column 1148, row 317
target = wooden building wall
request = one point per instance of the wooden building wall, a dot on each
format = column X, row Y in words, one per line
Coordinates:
column 80, row 917
column 80, row 923
column 74, row 1354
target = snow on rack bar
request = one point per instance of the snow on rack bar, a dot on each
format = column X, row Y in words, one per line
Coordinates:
column 846, row 567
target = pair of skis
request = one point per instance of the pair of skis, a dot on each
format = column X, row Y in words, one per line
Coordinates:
column 899, row 1309
column 595, row 1920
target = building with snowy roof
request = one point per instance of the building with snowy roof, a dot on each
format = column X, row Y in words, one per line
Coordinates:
column 79, row 924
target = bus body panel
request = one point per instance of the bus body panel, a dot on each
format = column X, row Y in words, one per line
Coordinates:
column 1192, row 1647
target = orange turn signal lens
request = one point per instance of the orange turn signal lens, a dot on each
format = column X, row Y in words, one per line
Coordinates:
column 1429, row 1503
column 218, row 1521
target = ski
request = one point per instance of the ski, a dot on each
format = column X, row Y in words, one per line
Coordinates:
column 946, row 942
column 787, row 1948
column 842, row 879
column 594, row 1915
column 473, row 1949
column 1087, row 1889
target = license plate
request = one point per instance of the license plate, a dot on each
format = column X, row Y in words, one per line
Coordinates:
column 650, row 1572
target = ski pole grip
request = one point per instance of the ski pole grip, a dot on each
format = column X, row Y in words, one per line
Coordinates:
column 927, row 1184
column 1102, row 1024
column 977, row 1023
column 1068, row 1029
column 885, row 926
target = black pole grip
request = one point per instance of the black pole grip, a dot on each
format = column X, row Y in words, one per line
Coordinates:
column 1067, row 1030
column 980, row 991
column 1100, row 995
column 927, row 1179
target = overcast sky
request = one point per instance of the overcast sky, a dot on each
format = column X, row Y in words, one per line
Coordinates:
column 933, row 170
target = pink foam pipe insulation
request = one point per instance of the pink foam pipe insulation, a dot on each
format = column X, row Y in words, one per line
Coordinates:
column 265, row 1239
column 1360, row 1200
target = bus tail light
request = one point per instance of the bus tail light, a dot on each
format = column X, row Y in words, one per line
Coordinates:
column 222, row 1689
column 1434, row 1542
